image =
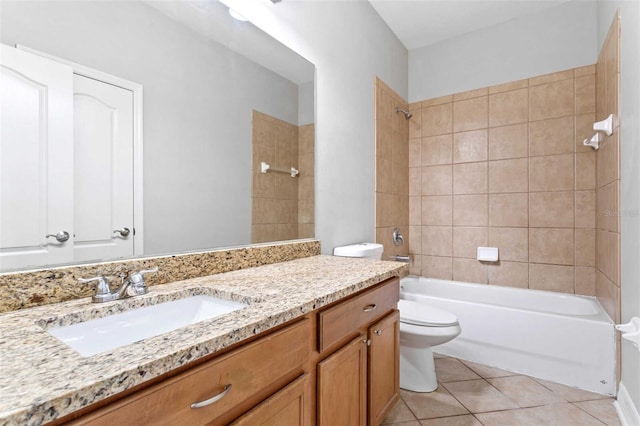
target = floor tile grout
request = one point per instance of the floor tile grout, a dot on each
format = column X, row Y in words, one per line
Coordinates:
column 558, row 393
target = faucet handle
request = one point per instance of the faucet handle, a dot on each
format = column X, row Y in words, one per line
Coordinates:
column 137, row 278
column 103, row 291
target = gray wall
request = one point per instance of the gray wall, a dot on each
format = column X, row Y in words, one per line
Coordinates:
column 629, row 173
column 349, row 44
column 197, row 167
column 306, row 103
column 552, row 40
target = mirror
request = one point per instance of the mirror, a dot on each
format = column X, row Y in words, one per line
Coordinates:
column 220, row 98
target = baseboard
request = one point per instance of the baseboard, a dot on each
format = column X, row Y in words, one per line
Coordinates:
column 625, row 407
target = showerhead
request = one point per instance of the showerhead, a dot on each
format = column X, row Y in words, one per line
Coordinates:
column 407, row 114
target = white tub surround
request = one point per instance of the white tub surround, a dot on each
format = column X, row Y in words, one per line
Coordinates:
column 559, row 337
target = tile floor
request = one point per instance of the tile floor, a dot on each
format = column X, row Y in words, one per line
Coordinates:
column 471, row 394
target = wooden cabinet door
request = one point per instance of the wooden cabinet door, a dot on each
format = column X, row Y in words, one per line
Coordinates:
column 342, row 386
column 287, row 407
column 384, row 370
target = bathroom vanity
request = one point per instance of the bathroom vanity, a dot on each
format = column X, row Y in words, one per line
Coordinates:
column 318, row 343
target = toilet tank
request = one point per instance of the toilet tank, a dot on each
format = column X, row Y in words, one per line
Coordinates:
column 364, row 250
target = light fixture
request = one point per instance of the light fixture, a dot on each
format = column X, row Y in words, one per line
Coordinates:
column 237, row 16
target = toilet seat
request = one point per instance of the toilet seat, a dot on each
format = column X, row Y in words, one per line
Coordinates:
column 424, row 315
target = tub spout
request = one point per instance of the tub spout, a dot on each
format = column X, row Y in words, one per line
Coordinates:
column 400, row 258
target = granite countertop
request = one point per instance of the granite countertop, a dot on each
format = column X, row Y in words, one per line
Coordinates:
column 42, row 379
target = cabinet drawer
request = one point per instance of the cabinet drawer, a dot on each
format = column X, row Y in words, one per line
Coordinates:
column 343, row 319
column 248, row 369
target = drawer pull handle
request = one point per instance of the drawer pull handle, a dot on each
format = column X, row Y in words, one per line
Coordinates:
column 377, row 332
column 369, row 308
column 213, row 399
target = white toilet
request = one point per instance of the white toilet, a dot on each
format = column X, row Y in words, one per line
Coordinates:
column 421, row 327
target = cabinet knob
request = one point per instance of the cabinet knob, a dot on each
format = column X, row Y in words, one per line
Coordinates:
column 61, row 236
column 377, row 332
column 213, row 399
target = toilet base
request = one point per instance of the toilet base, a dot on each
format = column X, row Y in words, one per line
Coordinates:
column 417, row 369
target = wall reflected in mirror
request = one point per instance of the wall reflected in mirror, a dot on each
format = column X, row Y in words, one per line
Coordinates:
column 220, row 97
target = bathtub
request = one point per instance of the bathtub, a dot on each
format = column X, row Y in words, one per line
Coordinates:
column 553, row 336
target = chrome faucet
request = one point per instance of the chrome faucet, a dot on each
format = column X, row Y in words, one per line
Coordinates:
column 132, row 285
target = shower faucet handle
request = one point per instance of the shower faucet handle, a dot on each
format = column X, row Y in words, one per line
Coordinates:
column 398, row 239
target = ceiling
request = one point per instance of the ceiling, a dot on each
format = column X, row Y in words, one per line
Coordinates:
column 419, row 23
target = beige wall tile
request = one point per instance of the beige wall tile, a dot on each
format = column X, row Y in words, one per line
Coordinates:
column 305, row 211
column 437, row 240
column 415, row 266
column 508, row 142
column 437, row 210
column 470, row 271
column 437, row 180
column 508, row 210
column 509, row 175
column 512, row 243
column 415, row 210
column 415, row 235
column 551, row 173
column 608, row 161
column 470, row 114
column 551, row 100
column 584, row 130
column 437, row 150
column 551, row 278
column 471, row 94
column 587, row 70
column 551, row 209
column 548, row 78
column 585, row 281
column 415, row 181
column 470, row 210
column 585, row 209
column 608, row 254
column 551, row 246
column 586, row 170
column 510, row 274
column 585, row 247
column 470, row 178
column 508, row 108
column 552, row 136
column 506, row 87
column 415, row 152
column 437, row 267
column 415, row 123
column 585, row 87
column 470, row 146
column 608, row 212
column 467, row 240
column 437, row 120
column 437, row 101
column 608, row 295
column 526, row 185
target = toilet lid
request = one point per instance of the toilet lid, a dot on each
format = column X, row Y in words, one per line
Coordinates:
column 422, row 314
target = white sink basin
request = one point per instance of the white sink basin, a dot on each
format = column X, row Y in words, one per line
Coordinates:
column 103, row 334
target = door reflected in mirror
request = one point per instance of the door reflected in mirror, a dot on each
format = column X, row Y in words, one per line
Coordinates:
column 219, row 97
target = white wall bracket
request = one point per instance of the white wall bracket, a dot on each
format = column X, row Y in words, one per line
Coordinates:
column 631, row 331
column 605, row 126
column 594, row 141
